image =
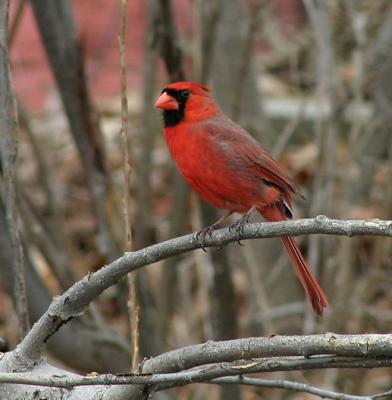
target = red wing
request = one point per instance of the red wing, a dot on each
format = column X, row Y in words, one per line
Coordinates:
column 248, row 152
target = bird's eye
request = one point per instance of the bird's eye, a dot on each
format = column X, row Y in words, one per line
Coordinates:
column 185, row 93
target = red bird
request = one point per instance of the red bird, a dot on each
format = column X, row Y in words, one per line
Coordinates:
column 229, row 169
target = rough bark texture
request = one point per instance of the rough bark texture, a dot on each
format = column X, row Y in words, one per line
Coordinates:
column 204, row 362
column 8, row 155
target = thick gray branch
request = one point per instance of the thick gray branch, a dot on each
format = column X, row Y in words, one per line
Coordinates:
column 277, row 346
column 203, row 373
column 74, row 300
column 208, row 371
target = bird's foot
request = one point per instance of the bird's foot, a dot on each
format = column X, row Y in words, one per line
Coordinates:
column 238, row 227
column 202, row 234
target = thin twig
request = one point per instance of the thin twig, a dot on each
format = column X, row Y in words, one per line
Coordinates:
column 289, row 385
column 388, row 393
column 16, row 21
column 133, row 308
column 324, row 183
column 124, row 124
column 288, row 131
column 57, row 233
column 37, row 233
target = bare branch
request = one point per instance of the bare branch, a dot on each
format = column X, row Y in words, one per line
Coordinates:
column 217, row 359
column 8, row 154
column 75, row 300
column 372, row 345
column 133, row 308
column 125, row 123
column 381, row 395
column 45, row 375
column 285, row 384
column 210, row 373
column 79, row 344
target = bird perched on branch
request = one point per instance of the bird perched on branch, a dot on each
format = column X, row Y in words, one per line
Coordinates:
column 229, row 169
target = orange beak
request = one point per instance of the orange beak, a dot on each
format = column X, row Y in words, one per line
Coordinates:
column 166, row 102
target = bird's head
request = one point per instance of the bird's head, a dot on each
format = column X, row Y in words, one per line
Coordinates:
column 185, row 102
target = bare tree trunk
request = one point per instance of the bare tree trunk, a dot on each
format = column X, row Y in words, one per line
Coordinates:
column 371, row 150
column 147, row 131
column 231, row 39
column 8, row 155
column 171, row 54
column 324, row 182
column 222, row 298
column 64, row 48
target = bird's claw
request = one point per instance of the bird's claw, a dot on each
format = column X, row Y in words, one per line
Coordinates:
column 238, row 227
column 201, row 236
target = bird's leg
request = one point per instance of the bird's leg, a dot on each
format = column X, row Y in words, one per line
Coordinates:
column 201, row 235
column 238, row 226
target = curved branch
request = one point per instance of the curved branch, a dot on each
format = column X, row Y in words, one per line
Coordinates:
column 210, row 373
column 372, row 345
column 73, row 302
column 289, row 385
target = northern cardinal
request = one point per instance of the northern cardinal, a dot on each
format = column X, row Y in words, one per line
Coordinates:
column 229, row 169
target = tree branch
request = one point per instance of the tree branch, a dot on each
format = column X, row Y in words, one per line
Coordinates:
column 75, row 300
column 207, row 373
column 276, row 346
column 294, row 386
column 211, row 360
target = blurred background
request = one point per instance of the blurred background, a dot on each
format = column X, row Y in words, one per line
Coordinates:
column 311, row 80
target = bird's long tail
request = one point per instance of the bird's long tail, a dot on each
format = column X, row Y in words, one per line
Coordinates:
column 313, row 290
